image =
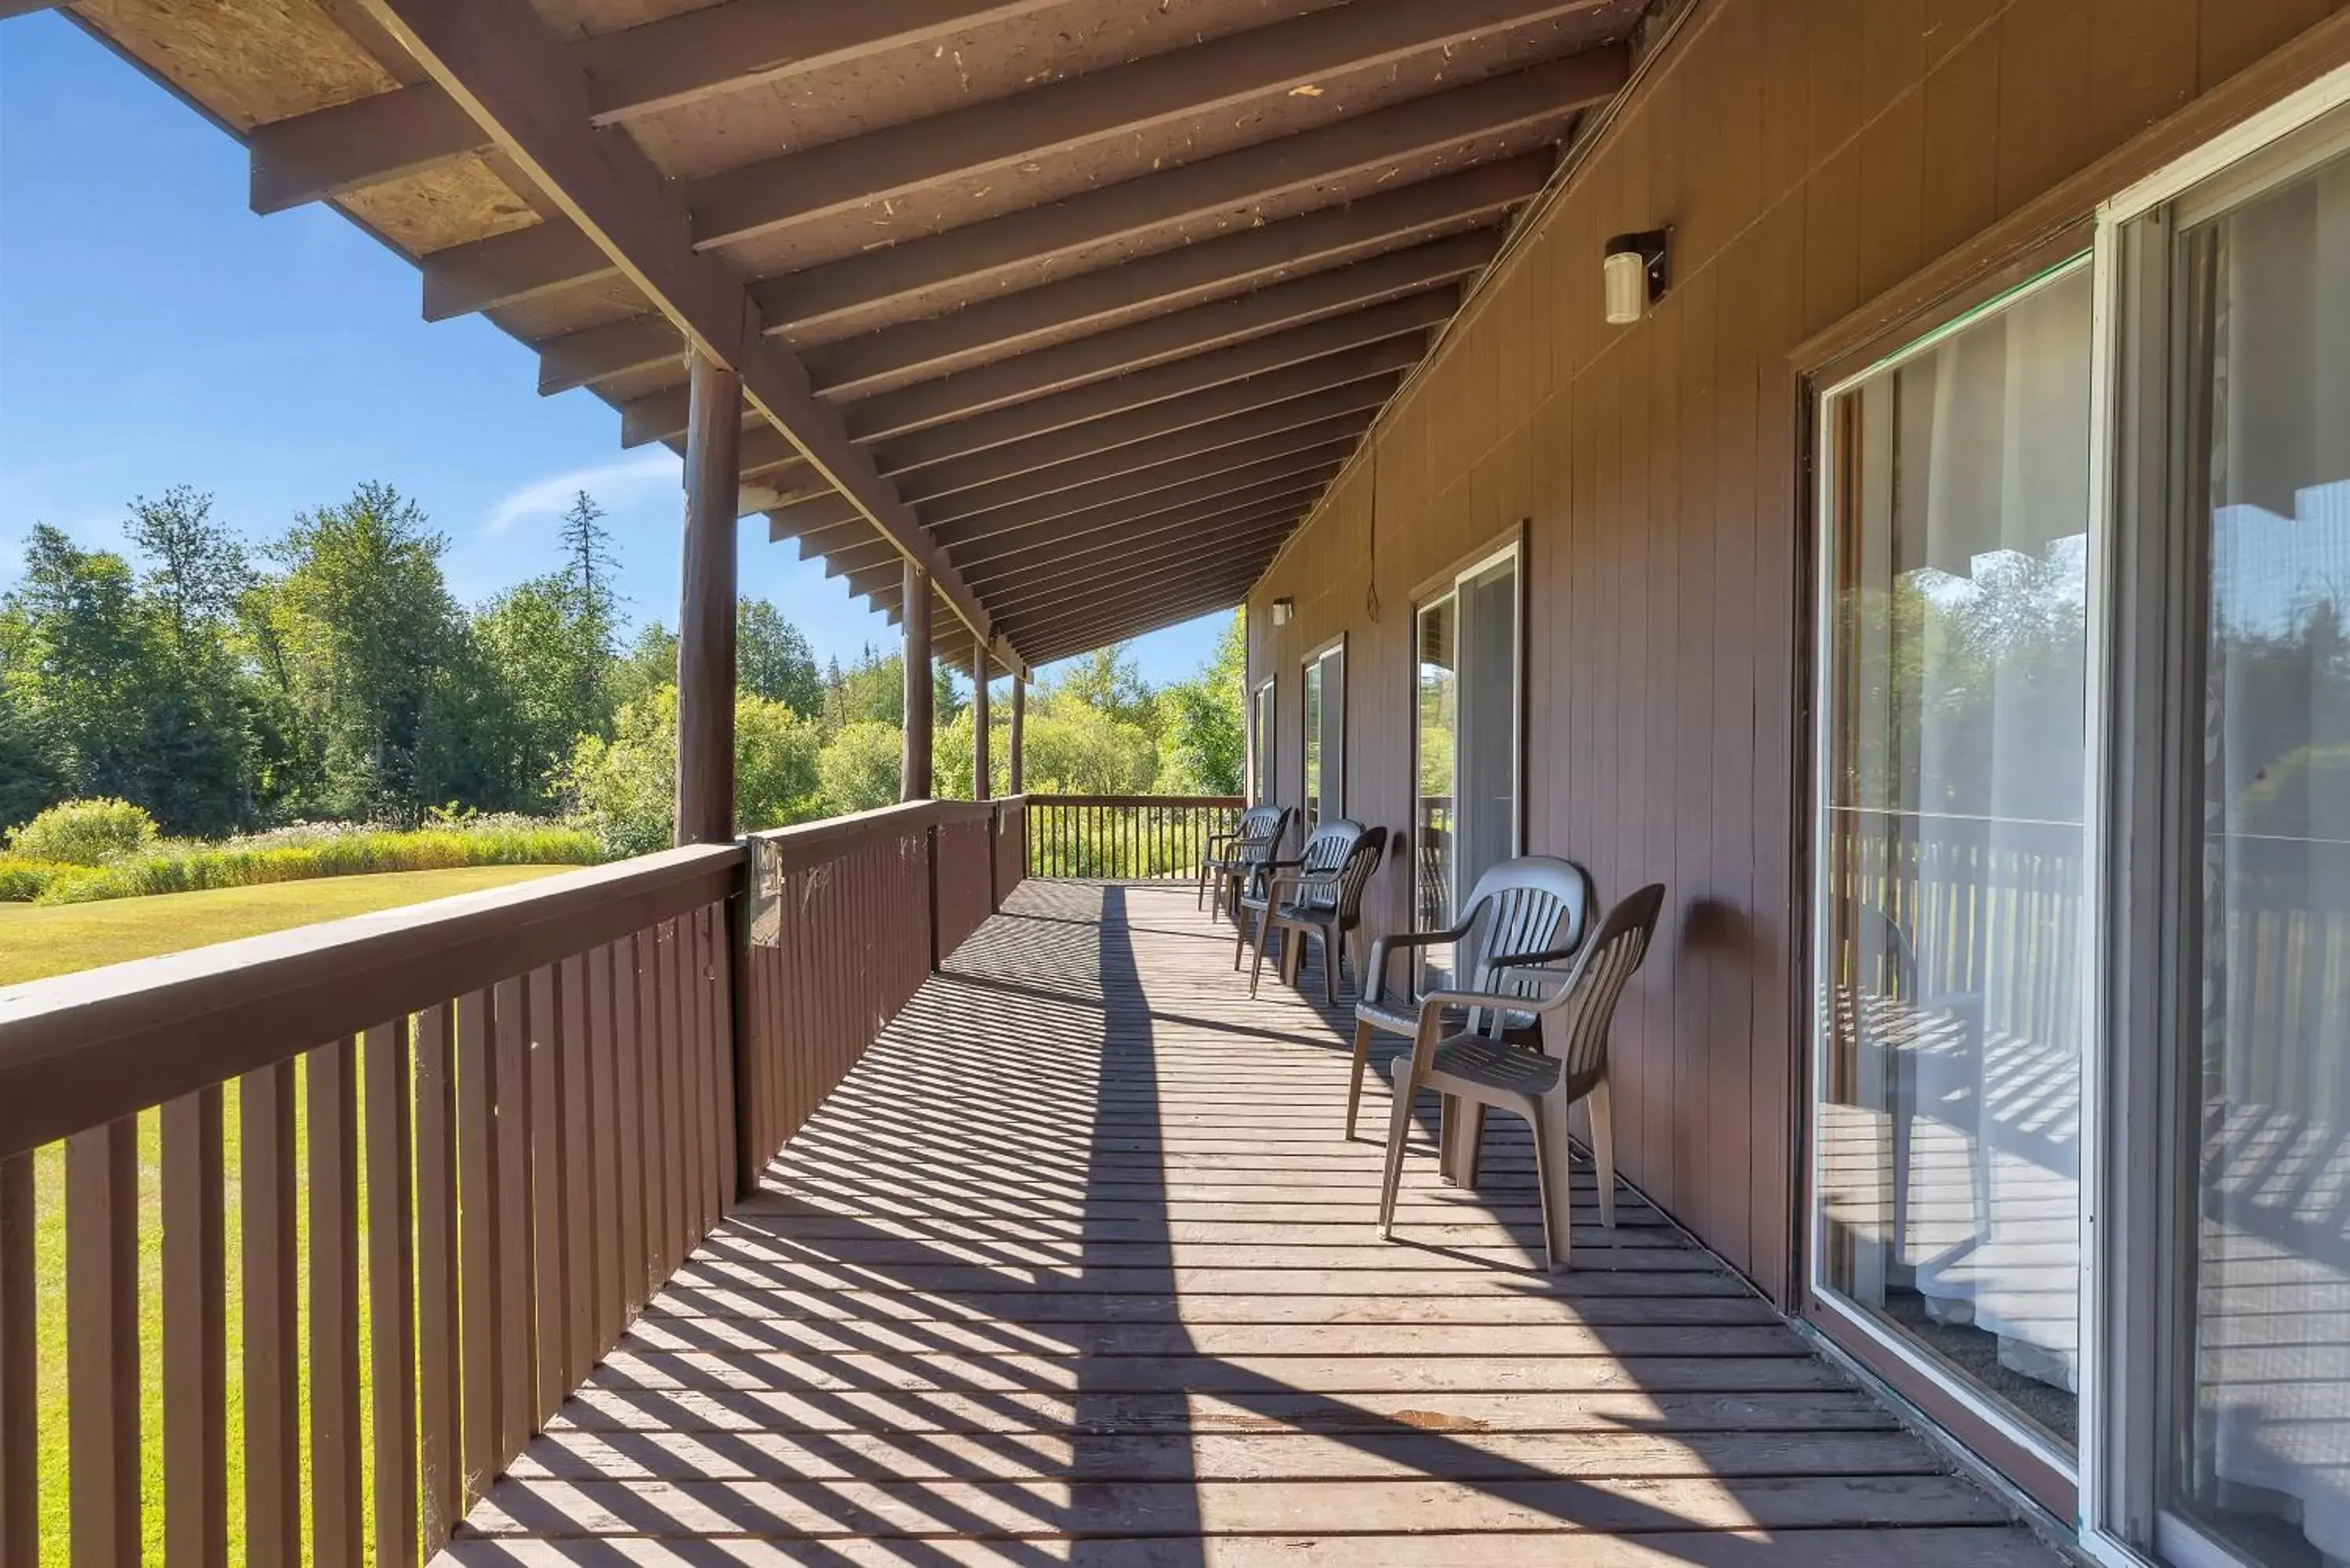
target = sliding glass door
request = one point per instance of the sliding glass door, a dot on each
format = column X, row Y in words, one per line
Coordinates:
column 1465, row 780
column 1324, row 748
column 1259, row 742
column 1951, row 858
column 2237, row 308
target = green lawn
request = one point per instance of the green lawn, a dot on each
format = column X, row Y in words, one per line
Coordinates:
column 58, row 940
column 37, row 941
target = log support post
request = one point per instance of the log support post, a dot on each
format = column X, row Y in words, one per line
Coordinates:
column 915, row 776
column 705, row 630
column 1012, row 741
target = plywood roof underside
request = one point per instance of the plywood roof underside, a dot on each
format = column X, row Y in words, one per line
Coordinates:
column 1093, row 297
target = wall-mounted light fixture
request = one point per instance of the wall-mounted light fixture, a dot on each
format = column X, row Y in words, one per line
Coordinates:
column 1636, row 275
column 1283, row 610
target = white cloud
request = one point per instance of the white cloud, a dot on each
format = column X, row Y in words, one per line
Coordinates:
column 613, row 484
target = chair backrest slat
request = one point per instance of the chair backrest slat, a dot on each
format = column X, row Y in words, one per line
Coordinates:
column 1576, row 1030
column 1535, row 903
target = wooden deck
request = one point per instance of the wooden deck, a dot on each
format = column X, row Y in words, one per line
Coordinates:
column 1077, row 1268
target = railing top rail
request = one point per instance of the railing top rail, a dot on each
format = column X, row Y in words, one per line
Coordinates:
column 80, row 1050
column 803, row 844
column 1232, row 801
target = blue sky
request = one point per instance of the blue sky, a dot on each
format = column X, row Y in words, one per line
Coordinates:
column 153, row 331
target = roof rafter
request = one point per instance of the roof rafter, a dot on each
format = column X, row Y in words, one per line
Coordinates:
column 1281, row 511
column 637, row 70
column 1183, row 83
column 1157, row 513
column 497, row 58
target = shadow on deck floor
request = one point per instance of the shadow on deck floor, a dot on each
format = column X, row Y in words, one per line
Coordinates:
column 1077, row 1268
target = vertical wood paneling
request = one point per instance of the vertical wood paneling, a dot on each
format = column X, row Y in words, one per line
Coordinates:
column 195, row 1334
column 391, row 1310
column 1808, row 158
column 102, row 1342
column 440, row 1394
column 513, row 1193
column 549, row 1196
column 331, row 1089
column 20, row 1498
column 480, row 1219
column 270, row 1352
column 574, row 1078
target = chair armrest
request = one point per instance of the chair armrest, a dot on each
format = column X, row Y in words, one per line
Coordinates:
column 1529, row 960
column 1375, row 970
column 1299, row 880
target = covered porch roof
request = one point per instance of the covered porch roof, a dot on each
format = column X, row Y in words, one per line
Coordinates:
column 1080, row 304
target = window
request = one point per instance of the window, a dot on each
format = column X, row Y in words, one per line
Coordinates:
column 1324, row 712
column 2234, row 1034
column 1465, row 774
column 1259, row 741
column 1951, row 854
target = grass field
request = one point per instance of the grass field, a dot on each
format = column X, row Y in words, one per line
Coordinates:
column 39, row 940
column 35, row 942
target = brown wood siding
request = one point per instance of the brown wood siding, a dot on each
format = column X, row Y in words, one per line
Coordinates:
column 1809, row 157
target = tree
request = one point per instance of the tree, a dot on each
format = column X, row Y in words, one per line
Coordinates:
column 1106, row 681
column 588, row 564
column 772, row 658
column 366, row 622
column 538, row 684
column 649, row 664
column 1202, row 743
column 871, row 691
column 199, row 568
column 860, row 768
column 624, row 788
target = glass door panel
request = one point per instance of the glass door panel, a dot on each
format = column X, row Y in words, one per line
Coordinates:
column 1260, row 745
column 2259, row 1354
column 1487, row 773
column 1951, row 854
column 1310, row 802
column 1439, row 723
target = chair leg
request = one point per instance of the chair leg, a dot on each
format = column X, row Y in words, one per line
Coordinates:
column 1355, row 1084
column 1553, row 1177
column 1292, row 954
column 1603, row 1149
column 1256, row 969
column 1330, row 966
column 1398, row 1125
column 1471, row 1155
column 1239, row 934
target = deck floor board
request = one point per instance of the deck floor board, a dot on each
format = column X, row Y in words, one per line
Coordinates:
column 1077, row 1267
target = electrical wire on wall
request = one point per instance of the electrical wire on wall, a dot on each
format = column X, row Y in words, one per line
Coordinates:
column 1371, row 547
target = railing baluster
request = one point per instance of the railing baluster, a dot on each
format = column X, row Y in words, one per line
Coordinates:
column 331, row 1089
column 392, row 1272
column 575, row 1076
column 195, row 1334
column 20, row 1486
column 629, row 1076
column 481, row 1273
column 549, row 1227
column 102, row 1339
column 656, row 1116
column 510, row 1023
column 266, row 1198
column 721, row 995
column 604, row 1131
column 440, row 1398
column 677, row 1158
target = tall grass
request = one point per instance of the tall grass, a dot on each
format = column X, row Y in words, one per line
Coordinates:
column 298, row 854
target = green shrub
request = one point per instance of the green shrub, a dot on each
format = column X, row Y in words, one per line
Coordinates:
column 85, row 833
column 22, row 880
column 187, row 869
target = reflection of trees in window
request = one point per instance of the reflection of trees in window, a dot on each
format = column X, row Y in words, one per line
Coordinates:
column 2291, row 685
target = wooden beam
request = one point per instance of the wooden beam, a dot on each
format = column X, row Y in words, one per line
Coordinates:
column 1179, row 335
column 1195, row 557
column 631, row 72
column 1133, row 625
column 1127, row 513
column 1157, row 479
column 914, row 776
column 705, row 615
column 1167, row 419
column 1094, row 621
column 1007, row 573
column 826, row 511
column 596, row 354
column 993, row 139
column 1459, row 125
column 980, row 781
column 1187, row 275
column 1167, row 575
column 1199, row 444
column 1081, row 405
column 983, row 550
column 497, row 58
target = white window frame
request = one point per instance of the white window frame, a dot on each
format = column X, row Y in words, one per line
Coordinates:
column 1317, row 658
column 2249, row 151
column 1258, row 784
column 1514, row 552
column 1850, row 1316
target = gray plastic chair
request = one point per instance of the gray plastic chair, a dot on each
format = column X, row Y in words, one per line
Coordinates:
column 1523, row 913
column 1234, row 858
column 1326, row 903
column 1475, row 1070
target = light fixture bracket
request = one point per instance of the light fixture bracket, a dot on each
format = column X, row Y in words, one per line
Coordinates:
column 1651, row 250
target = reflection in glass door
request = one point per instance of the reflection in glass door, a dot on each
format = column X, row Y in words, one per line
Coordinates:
column 1950, row 856
column 2255, row 1358
column 1325, row 736
column 1465, row 797
column 1261, row 744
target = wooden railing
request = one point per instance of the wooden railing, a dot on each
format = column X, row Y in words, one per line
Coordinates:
column 1123, row 837
column 455, row 1149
